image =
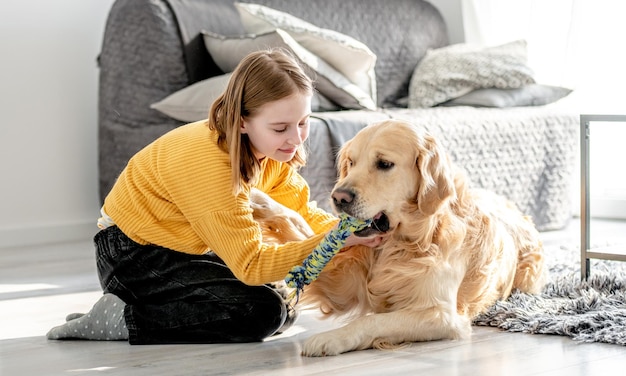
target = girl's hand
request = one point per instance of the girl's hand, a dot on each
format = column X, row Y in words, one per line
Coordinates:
column 370, row 241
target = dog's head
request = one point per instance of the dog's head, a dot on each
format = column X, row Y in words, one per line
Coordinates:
column 389, row 169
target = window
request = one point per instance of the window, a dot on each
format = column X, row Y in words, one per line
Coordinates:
column 576, row 44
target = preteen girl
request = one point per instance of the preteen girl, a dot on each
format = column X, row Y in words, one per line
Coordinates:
column 179, row 256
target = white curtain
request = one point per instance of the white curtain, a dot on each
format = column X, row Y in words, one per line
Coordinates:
column 574, row 43
column 580, row 44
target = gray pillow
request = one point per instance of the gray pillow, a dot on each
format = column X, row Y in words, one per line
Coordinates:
column 192, row 103
column 227, row 52
column 450, row 72
column 528, row 95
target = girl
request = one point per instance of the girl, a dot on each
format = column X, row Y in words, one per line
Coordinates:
column 179, row 256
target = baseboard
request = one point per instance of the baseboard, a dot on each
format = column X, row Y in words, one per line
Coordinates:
column 35, row 235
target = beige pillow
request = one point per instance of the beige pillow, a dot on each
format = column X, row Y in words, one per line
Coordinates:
column 192, row 103
column 450, row 72
column 227, row 52
column 347, row 55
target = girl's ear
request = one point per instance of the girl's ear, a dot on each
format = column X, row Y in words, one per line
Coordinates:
column 242, row 126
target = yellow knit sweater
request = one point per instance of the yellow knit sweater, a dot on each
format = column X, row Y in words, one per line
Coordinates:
column 176, row 193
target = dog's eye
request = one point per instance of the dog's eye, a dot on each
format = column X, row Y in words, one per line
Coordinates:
column 384, row 165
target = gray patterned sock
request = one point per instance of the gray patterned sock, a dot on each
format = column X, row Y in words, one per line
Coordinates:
column 73, row 316
column 104, row 322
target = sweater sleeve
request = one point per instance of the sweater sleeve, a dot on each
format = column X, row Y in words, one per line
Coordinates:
column 236, row 238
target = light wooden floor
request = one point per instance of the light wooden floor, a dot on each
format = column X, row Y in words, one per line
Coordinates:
column 40, row 285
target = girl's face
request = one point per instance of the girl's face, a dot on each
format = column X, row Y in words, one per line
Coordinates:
column 279, row 127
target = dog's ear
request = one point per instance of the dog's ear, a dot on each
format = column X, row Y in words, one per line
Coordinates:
column 343, row 160
column 436, row 183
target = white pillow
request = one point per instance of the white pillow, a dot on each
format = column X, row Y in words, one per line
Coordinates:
column 450, row 72
column 227, row 52
column 347, row 55
column 193, row 102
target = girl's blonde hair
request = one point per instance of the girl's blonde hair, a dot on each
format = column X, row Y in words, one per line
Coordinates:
column 261, row 77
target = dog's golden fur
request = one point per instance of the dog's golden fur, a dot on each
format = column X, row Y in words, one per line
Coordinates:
column 451, row 251
column 279, row 224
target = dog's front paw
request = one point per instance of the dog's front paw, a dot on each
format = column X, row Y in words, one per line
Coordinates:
column 326, row 344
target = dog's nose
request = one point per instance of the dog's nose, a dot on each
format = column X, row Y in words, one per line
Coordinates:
column 342, row 197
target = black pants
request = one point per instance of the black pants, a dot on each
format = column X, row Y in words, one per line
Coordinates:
column 173, row 297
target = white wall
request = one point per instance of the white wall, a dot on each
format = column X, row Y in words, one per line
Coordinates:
column 48, row 115
column 451, row 11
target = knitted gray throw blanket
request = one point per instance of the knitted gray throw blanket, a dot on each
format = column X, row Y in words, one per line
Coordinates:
column 588, row 311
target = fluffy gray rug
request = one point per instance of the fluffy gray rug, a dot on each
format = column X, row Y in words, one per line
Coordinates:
column 589, row 311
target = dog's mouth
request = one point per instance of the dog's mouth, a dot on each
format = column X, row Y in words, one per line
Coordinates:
column 380, row 224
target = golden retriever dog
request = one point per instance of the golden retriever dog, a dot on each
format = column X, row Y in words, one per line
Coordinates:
column 450, row 251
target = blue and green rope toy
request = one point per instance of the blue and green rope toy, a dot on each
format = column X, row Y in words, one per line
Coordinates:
column 301, row 275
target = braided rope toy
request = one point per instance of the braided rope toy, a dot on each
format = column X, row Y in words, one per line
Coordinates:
column 301, row 275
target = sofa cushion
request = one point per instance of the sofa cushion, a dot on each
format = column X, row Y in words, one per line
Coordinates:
column 192, row 103
column 450, row 72
column 227, row 52
column 347, row 55
column 528, row 95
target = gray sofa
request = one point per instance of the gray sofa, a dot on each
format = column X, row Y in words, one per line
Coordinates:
column 153, row 48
